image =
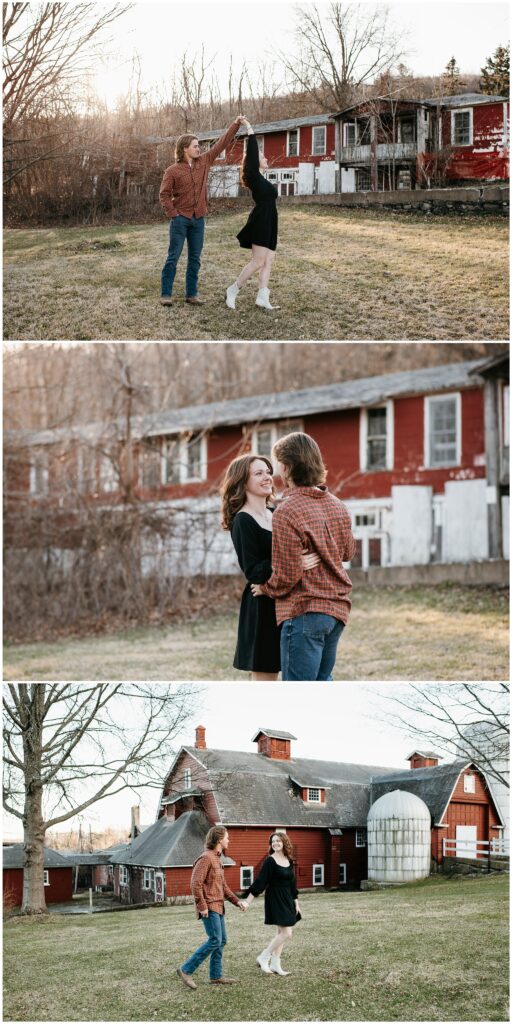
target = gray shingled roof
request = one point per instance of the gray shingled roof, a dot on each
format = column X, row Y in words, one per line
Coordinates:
column 433, row 785
column 274, row 733
column 87, row 858
column 251, row 789
column 167, row 844
column 13, row 857
column 464, row 99
column 350, row 394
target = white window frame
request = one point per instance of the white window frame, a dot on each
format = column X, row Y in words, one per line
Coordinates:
column 312, row 799
column 470, row 783
column 320, row 867
column 123, row 874
column 46, row 877
column 505, row 406
column 148, row 881
column 346, row 126
column 39, row 465
column 187, row 778
column 454, row 113
column 108, row 481
column 182, row 459
column 342, row 878
column 361, row 834
column 294, row 156
column 390, row 437
column 428, row 401
column 323, row 150
column 275, row 428
column 245, row 884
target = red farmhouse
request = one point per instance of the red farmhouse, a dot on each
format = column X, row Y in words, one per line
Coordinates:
column 419, row 456
column 58, row 876
column 322, row 806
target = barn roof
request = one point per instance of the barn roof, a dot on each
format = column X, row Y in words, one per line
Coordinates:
column 349, row 394
column 13, row 857
column 434, row 785
column 167, row 843
column 275, row 734
column 87, row 858
column 252, row 789
column 464, row 99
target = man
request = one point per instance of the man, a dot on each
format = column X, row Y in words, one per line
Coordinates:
column 209, row 890
column 183, row 197
column 312, row 606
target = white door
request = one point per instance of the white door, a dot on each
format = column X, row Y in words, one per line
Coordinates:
column 326, row 177
column 159, row 887
column 306, row 183
column 465, row 841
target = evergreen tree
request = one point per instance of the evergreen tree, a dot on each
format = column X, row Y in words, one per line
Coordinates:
column 495, row 80
column 451, row 80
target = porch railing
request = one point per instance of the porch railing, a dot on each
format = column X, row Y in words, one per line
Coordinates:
column 385, row 151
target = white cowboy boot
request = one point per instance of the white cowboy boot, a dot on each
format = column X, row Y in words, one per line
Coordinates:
column 231, row 294
column 263, row 960
column 263, row 299
column 275, row 966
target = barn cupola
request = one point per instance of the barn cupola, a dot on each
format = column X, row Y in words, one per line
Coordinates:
column 423, row 759
column 274, row 744
column 200, row 743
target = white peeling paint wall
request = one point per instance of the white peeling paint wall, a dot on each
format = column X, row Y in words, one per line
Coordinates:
column 412, row 525
column 465, row 536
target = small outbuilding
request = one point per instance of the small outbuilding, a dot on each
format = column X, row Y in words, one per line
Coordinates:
column 58, row 876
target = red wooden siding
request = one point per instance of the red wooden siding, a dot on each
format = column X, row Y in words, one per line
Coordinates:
column 270, row 746
column 199, row 781
column 60, row 889
column 275, row 147
column 485, row 157
column 467, row 809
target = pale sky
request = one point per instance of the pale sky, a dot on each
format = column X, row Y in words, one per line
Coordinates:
column 341, row 722
column 161, row 32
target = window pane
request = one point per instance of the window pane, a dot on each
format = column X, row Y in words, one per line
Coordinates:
column 461, row 128
column 350, row 134
column 171, row 456
column 150, row 464
column 376, row 453
column 293, row 143
column 194, row 457
column 377, row 422
column 443, row 432
column 319, row 140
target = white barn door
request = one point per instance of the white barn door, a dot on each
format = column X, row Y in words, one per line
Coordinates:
column 306, row 182
column 465, row 841
column 326, row 176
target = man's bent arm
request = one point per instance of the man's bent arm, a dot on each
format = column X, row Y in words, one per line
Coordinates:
column 197, row 885
column 167, row 192
column 224, row 141
column 286, row 559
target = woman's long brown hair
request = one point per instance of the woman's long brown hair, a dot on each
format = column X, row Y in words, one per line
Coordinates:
column 287, row 845
column 234, row 486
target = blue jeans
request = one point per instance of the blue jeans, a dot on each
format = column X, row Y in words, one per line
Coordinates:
column 308, row 646
column 215, row 928
column 181, row 228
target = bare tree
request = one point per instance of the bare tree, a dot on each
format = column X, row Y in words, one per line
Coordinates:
column 68, row 746
column 466, row 720
column 342, row 48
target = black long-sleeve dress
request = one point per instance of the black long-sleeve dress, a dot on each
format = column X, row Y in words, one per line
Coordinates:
column 280, row 892
column 257, row 648
column 261, row 227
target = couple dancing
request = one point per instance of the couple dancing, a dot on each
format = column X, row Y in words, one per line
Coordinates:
column 183, row 195
column 209, row 889
column 296, row 602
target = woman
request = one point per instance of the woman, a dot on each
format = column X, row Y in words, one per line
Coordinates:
column 277, row 878
column 260, row 232
column 248, row 498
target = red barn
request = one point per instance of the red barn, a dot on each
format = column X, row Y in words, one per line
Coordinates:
column 419, row 456
column 322, row 805
column 58, row 876
column 384, row 144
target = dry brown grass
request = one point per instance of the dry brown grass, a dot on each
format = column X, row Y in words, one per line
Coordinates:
column 400, row 633
column 339, row 274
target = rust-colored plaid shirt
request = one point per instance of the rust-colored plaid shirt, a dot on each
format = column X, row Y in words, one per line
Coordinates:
column 208, row 886
column 312, row 518
column 183, row 188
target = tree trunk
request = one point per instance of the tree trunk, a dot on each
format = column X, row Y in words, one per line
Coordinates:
column 34, row 826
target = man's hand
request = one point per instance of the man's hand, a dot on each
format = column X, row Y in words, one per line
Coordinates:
column 242, row 906
column 204, row 913
column 256, row 590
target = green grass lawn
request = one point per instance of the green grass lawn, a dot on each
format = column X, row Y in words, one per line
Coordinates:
column 442, row 632
column 436, row 950
column 339, row 274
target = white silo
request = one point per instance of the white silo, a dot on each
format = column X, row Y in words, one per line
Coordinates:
column 398, row 838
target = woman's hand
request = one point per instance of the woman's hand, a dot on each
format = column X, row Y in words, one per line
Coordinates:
column 256, row 590
column 309, row 560
column 244, row 120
